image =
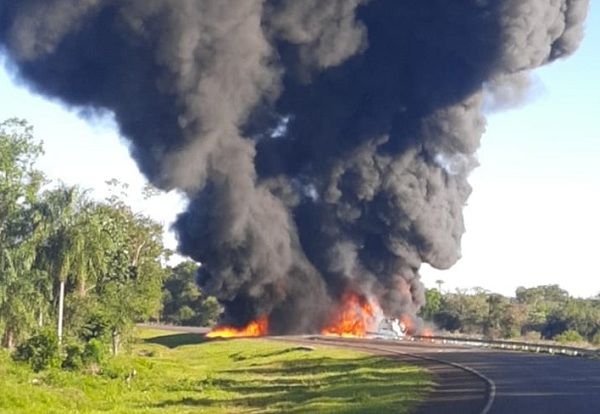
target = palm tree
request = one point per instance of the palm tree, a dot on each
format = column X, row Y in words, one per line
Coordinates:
column 74, row 249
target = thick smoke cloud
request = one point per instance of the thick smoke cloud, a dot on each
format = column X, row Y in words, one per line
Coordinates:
column 324, row 145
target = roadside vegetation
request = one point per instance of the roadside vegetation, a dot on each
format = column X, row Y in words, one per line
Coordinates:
column 74, row 271
column 166, row 372
column 77, row 274
column 183, row 303
column 540, row 313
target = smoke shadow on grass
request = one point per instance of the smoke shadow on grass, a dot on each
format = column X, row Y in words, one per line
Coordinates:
column 177, row 340
column 314, row 385
column 281, row 352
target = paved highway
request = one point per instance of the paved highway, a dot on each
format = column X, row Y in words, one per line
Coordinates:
column 517, row 382
column 535, row 383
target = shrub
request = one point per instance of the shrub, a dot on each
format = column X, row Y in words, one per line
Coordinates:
column 116, row 369
column 74, row 357
column 78, row 356
column 96, row 327
column 39, row 351
column 569, row 336
column 185, row 315
column 93, row 352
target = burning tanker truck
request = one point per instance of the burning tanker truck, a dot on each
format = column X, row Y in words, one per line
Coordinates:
column 390, row 328
column 324, row 145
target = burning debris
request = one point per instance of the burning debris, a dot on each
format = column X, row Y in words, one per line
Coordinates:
column 255, row 328
column 355, row 316
column 324, row 145
column 391, row 328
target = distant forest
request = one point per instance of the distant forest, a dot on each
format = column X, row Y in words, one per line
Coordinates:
column 540, row 313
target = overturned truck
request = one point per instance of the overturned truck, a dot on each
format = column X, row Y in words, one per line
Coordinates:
column 390, row 328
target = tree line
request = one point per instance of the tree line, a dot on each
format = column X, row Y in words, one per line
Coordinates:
column 77, row 273
column 76, row 270
column 545, row 312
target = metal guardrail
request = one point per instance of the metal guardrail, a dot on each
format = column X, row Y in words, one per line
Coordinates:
column 513, row 345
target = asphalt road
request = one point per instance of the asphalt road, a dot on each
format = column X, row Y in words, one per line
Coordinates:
column 518, row 382
column 459, row 390
column 481, row 381
column 534, row 383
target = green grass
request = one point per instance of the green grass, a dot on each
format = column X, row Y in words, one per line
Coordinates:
column 182, row 373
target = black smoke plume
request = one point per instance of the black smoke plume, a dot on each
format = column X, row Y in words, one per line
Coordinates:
column 324, row 145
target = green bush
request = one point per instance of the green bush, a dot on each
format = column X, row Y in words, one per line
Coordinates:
column 568, row 336
column 115, row 369
column 596, row 339
column 185, row 315
column 93, row 352
column 95, row 327
column 74, row 358
column 80, row 356
column 39, row 351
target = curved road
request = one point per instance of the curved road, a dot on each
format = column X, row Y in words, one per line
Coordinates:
column 522, row 383
column 482, row 381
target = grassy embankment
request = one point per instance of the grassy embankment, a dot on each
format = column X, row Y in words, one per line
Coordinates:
column 179, row 373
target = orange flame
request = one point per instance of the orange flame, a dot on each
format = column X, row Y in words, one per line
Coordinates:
column 427, row 332
column 356, row 316
column 259, row 327
column 408, row 323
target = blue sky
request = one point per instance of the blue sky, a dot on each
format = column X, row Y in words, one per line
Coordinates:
column 534, row 214
column 533, row 217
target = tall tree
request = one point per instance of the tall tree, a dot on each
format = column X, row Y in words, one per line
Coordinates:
column 433, row 304
column 183, row 301
column 540, row 302
column 130, row 289
column 19, row 229
column 75, row 248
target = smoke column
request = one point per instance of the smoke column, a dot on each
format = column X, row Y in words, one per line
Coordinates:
column 324, row 145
